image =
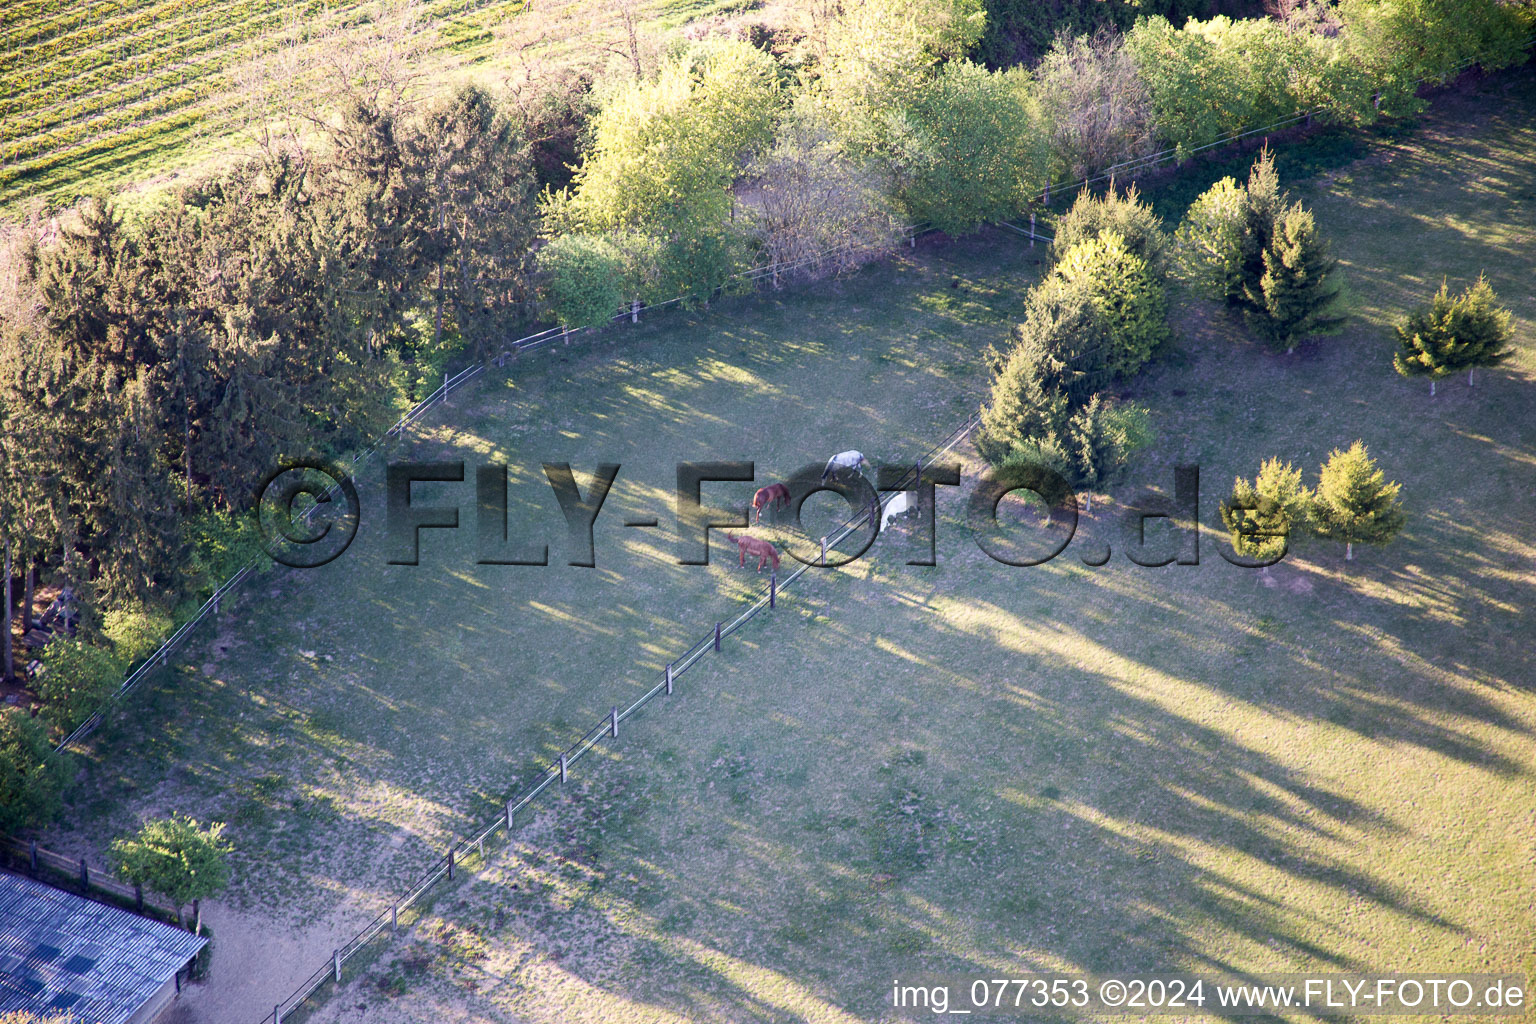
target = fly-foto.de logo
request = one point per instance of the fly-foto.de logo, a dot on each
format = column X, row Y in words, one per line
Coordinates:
column 307, row 513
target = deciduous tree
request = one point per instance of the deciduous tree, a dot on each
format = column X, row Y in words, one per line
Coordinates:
column 30, row 781
column 176, row 857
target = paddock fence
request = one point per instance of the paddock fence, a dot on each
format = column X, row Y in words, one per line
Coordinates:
column 30, row 859
column 471, row 849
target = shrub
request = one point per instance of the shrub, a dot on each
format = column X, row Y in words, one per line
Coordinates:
column 814, row 208
column 664, row 150
column 30, row 781
column 77, row 677
column 221, row 543
column 1400, row 42
column 1094, row 105
column 135, row 633
column 970, row 149
column 1211, row 78
column 698, row 263
column 583, row 279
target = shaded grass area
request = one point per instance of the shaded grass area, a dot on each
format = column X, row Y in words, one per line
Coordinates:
column 975, row 768
column 347, row 721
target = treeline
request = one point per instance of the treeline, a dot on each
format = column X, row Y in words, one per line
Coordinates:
column 153, row 370
column 728, row 156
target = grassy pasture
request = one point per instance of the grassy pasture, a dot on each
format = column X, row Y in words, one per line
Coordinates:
column 348, row 720
column 974, row 768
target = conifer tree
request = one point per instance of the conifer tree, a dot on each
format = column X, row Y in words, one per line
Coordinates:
column 1125, row 214
column 1263, row 204
column 1263, row 513
column 1297, row 290
column 1023, row 404
column 1452, row 334
column 1128, row 298
column 1354, row 502
column 1099, row 441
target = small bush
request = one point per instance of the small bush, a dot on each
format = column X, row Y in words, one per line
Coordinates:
column 77, row 677
column 135, row 633
column 30, row 781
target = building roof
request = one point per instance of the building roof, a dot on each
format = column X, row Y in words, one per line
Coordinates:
column 62, row 952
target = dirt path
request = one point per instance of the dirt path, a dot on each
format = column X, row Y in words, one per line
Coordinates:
column 258, row 960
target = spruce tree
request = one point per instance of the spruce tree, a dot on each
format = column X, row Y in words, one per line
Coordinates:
column 1452, row 334
column 1263, row 204
column 1354, row 502
column 1099, row 441
column 1129, row 299
column 1485, row 329
column 1023, row 404
column 1261, row 514
column 1092, row 217
column 1298, row 290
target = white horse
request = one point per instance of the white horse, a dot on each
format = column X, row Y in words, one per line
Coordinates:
column 850, row 459
column 895, row 507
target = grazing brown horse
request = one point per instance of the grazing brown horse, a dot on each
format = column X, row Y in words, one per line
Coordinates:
column 771, row 496
column 764, row 551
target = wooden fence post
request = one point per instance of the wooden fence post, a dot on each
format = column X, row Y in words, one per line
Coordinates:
column 823, row 552
column 773, row 587
column 450, row 863
column 34, row 857
column 1031, row 231
column 394, row 917
column 717, row 636
column 336, row 965
column 277, row 1014
column 85, row 875
column 509, row 820
column 669, row 683
column 564, row 769
column 613, row 723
